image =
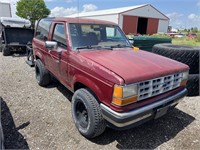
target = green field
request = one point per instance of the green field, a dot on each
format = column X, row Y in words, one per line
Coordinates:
column 186, row 41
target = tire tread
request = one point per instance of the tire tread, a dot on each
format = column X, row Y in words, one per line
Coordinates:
column 44, row 73
column 184, row 54
column 99, row 122
column 193, row 85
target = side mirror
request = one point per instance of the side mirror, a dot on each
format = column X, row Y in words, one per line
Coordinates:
column 51, row 45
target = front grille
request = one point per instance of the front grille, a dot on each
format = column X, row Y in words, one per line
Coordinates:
column 157, row 86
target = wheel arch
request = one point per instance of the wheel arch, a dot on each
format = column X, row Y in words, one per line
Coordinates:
column 38, row 55
column 83, row 82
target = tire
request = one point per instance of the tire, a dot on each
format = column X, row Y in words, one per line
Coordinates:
column 185, row 54
column 2, row 46
column 42, row 74
column 193, row 85
column 6, row 51
column 87, row 114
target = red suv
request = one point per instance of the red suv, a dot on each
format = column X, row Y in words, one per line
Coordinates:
column 112, row 84
column 192, row 35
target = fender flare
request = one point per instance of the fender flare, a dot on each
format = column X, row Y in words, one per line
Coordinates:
column 92, row 85
column 40, row 56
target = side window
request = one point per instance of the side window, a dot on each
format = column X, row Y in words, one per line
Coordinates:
column 43, row 29
column 110, row 32
column 113, row 34
column 59, row 35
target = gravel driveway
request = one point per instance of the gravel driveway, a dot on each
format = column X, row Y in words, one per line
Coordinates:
column 34, row 117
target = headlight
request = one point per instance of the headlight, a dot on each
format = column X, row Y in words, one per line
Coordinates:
column 185, row 75
column 184, row 78
column 130, row 90
column 124, row 95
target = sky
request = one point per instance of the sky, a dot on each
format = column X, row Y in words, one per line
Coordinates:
column 182, row 13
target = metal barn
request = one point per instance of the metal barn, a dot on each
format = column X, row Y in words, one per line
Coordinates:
column 141, row 19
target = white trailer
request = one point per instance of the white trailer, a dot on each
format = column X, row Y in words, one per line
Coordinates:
column 14, row 22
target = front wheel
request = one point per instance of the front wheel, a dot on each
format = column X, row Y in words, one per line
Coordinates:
column 42, row 74
column 87, row 114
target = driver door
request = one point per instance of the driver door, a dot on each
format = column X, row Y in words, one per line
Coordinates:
column 55, row 55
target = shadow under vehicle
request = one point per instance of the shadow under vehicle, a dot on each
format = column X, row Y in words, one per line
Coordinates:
column 10, row 136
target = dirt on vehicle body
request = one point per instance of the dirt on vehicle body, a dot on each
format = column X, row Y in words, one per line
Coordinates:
column 112, row 84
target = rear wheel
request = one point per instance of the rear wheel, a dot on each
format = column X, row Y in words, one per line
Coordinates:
column 1, row 46
column 6, row 51
column 42, row 74
column 87, row 114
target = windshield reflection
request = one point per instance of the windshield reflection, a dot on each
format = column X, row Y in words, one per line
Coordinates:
column 97, row 36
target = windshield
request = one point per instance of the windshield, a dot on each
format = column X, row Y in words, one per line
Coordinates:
column 97, row 36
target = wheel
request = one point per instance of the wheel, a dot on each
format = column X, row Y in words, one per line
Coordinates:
column 6, row 51
column 185, row 54
column 87, row 114
column 193, row 85
column 42, row 74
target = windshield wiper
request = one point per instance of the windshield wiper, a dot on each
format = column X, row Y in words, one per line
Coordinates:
column 93, row 47
column 120, row 46
column 84, row 47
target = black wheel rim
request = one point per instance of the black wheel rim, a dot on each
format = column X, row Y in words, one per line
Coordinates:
column 37, row 73
column 81, row 114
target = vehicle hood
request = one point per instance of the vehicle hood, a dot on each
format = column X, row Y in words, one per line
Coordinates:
column 134, row 66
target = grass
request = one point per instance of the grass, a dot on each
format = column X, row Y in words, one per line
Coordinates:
column 186, row 41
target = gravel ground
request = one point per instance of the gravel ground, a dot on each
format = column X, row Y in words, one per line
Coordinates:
column 34, row 117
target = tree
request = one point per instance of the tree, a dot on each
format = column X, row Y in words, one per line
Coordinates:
column 32, row 10
column 195, row 30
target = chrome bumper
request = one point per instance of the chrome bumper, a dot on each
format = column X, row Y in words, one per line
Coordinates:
column 152, row 110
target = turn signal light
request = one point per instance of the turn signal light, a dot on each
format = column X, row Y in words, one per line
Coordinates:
column 118, row 92
column 183, row 82
column 122, row 102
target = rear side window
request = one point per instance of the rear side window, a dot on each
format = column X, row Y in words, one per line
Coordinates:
column 42, row 30
column 59, row 35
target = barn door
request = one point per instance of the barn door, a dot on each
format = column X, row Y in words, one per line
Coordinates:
column 152, row 26
column 130, row 24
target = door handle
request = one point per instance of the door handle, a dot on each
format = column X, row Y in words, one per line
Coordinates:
column 54, row 58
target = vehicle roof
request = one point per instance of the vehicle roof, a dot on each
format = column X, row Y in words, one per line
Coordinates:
column 81, row 20
column 15, row 22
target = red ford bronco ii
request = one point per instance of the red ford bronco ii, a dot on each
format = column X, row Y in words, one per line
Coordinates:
column 113, row 85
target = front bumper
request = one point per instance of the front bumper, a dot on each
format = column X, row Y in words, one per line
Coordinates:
column 142, row 114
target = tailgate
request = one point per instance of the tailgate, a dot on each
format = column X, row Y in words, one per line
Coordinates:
column 19, row 36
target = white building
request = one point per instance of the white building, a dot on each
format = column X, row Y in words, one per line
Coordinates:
column 5, row 10
column 142, row 19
